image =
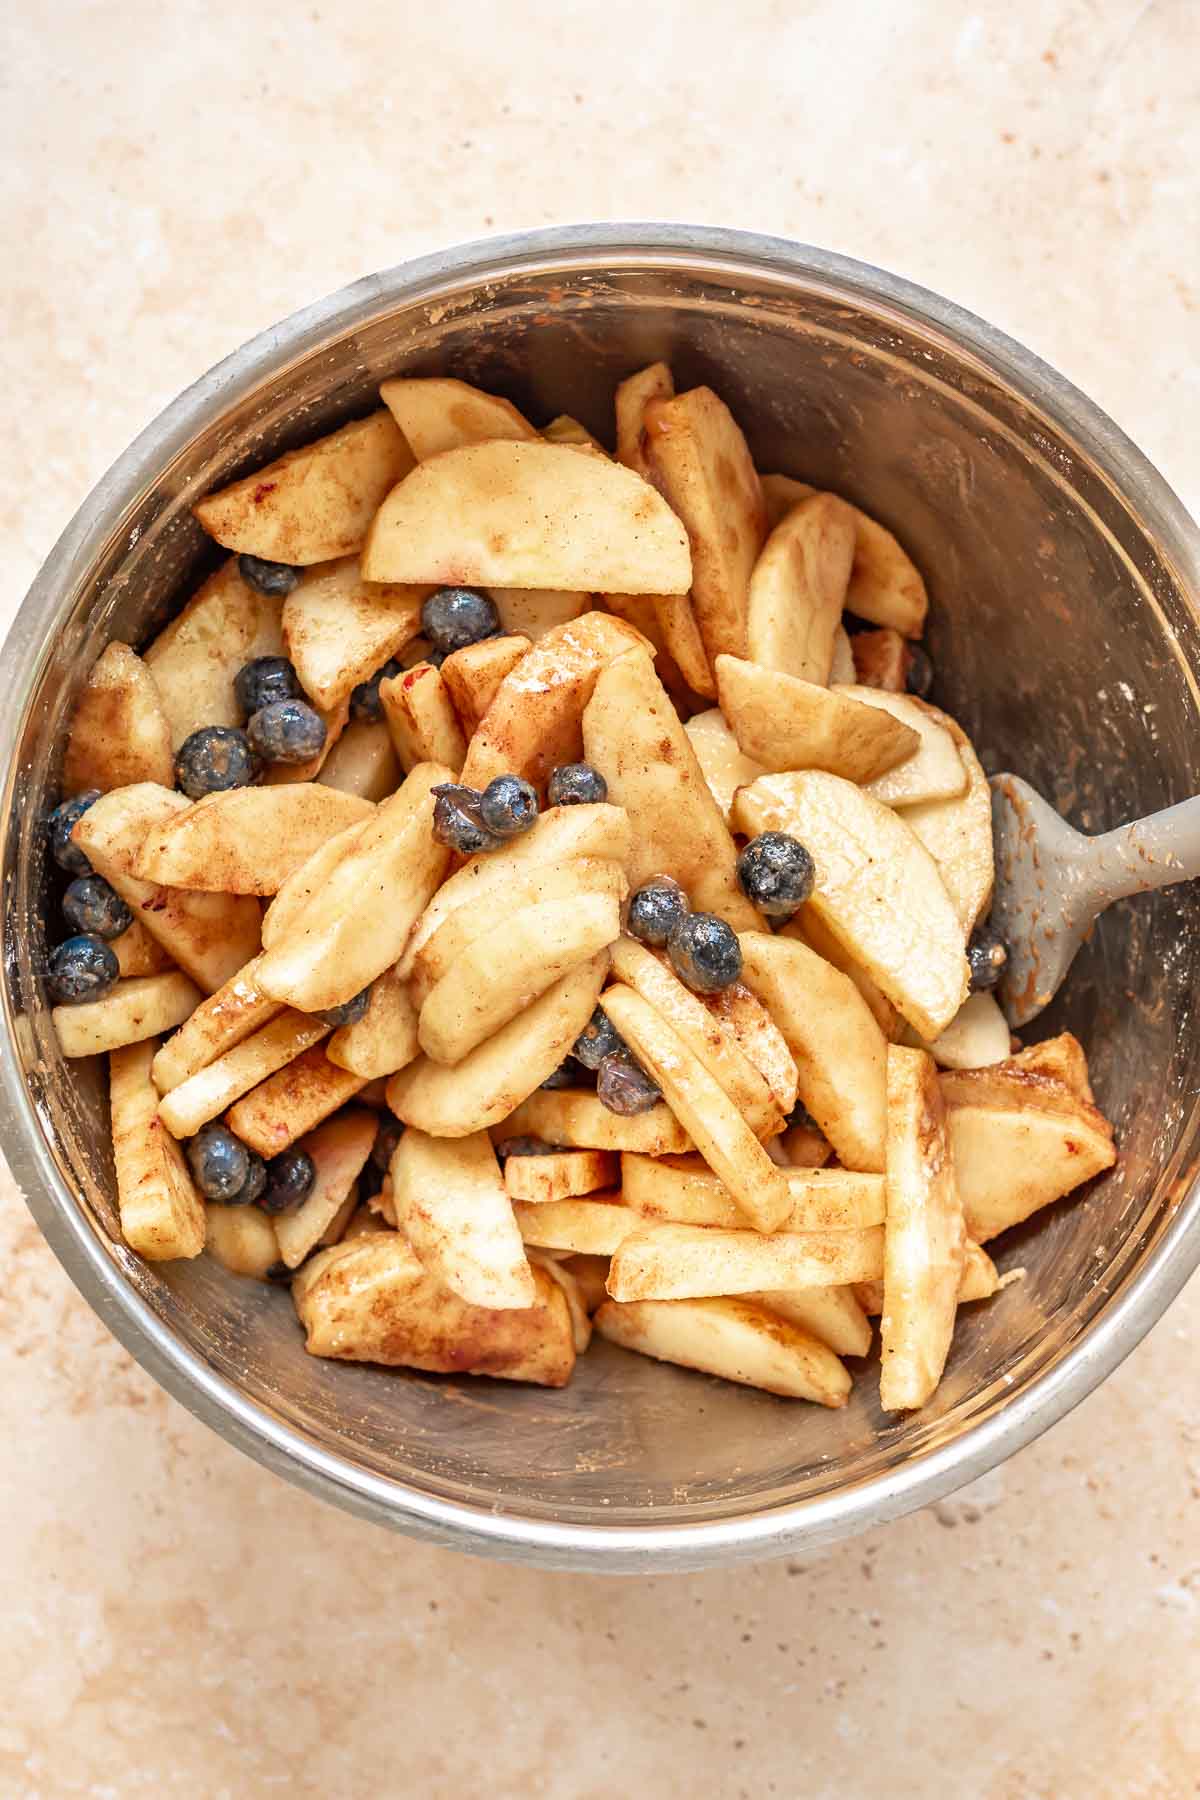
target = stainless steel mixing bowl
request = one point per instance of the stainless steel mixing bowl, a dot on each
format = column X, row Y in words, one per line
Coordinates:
column 1064, row 577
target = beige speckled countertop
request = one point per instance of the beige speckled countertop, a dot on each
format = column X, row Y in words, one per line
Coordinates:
column 177, row 177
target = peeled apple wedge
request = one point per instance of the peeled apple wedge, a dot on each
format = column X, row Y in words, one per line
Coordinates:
column 957, row 832
column 685, row 1262
column 716, row 1127
column 438, row 414
column 592, row 1227
column 162, row 1214
column 839, row 1050
column 474, row 674
column 355, row 925
column 241, row 1238
column 194, row 659
column 881, row 660
column 885, row 586
column 698, row 457
column 933, row 770
column 532, row 612
column 810, row 929
column 299, row 1097
column 493, row 1080
column 632, row 734
column 210, row 936
column 798, row 589
column 1020, row 1141
column 877, row 889
column 315, row 503
column 784, row 723
column 338, row 629
column 976, row 1037
column 682, row 1190
column 339, row 1150
column 227, row 1017
column 385, row 1038
column 723, row 763
column 737, row 1339
column 143, row 1007
column 216, row 1086
column 561, row 834
column 137, row 953
column 831, row 1314
column 452, row 1206
column 119, row 730
column 535, row 720
column 246, row 840
column 633, row 396
column 1060, row 1058
column 574, row 1293
column 363, row 762
column 505, row 514
column 421, row 718
column 760, row 1040
column 502, row 971
column 370, row 1300
column 576, row 1117
column 566, row 430
column 560, row 1175
column 924, row 1237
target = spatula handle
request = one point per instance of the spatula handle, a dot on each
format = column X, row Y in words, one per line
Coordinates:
column 1151, row 853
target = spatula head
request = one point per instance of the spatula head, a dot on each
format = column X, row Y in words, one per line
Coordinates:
column 1043, row 903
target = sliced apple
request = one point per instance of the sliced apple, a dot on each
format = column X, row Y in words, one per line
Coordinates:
column 881, row 660
column 723, row 763
column 338, row 628
column 812, row 930
column 566, row 430
column 1061, row 1058
column 506, row 514
column 494, row 1079
column 452, row 1206
column 686, row 1262
column 246, row 840
column 633, row 735
column 439, row 413
column 924, row 1235
column 976, row 1037
column 162, row 1214
column 576, row 1118
column 227, row 1017
column 137, row 953
column 119, row 731
column 841, row 669
column 831, row 1314
column 216, row 1086
column 592, row 1227
column 932, row 771
column 473, row 675
column 877, row 889
column 737, row 1339
column 722, row 1136
column 143, row 1007
column 781, row 493
column 759, row 1038
column 698, row 457
column 363, row 762
column 421, row 718
column 683, row 1190
column 957, row 832
column 194, row 659
column 532, row 612
column 784, row 723
column 885, row 584
column 385, row 1038
column 315, row 503
column 241, row 1238
column 798, row 589
column 634, row 395
column 338, row 1150
column 297, row 1099
column 839, row 1050
column 560, row 1175
column 535, row 721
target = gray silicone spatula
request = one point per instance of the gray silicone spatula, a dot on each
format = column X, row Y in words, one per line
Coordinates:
column 1052, row 882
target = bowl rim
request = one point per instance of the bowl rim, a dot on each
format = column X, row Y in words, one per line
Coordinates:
column 804, row 1524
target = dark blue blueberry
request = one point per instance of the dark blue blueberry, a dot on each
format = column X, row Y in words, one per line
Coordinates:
column 272, row 578
column 365, row 704
column 287, row 731
column 776, row 873
column 919, row 679
column 82, row 968
column 251, row 1189
column 598, row 1039
column 705, row 953
column 349, row 1012
column 624, row 1086
column 987, row 953
column 92, row 906
column 569, row 1073
column 457, row 821
column 63, row 821
column 220, row 1163
column 522, row 1146
column 267, row 679
column 576, row 784
column 655, row 910
column 280, row 1275
column 455, row 617
column 386, row 1138
column 508, row 806
column 801, row 1117
column 290, row 1178
column 213, row 759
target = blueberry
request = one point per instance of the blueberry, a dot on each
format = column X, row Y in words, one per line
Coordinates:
column 521, row 1146
column 919, row 679
column 455, row 617
column 802, row 1118
column 265, row 680
column 598, row 1039
column 213, row 759
column 271, row 578
column 576, row 784
column 91, row 906
column 386, row 1138
column 287, row 731
column 456, row 820
column 349, row 1012
column 569, row 1073
column 705, row 953
column 62, row 823
column 82, row 968
column 624, row 1086
column 290, row 1178
column 656, row 909
column 987, row 953
column 280, row 1275
column 365, row 704
column 220, row 1163
column 508, row 805
column 776, row 873
column 251, row 1189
